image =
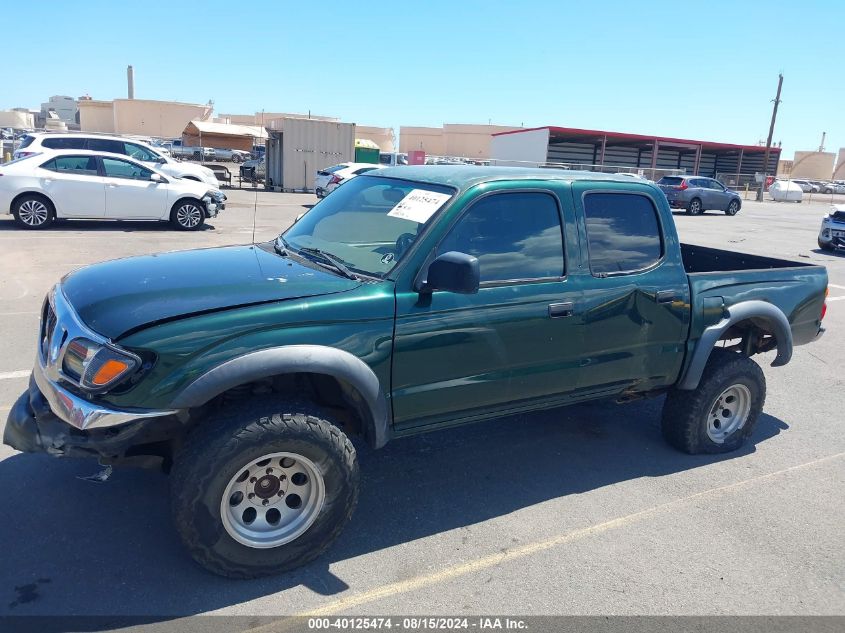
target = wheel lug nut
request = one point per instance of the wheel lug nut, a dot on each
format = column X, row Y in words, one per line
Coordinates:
column 281, row 493
column 269, row 471
column 251, row 495
column 252, row 480
column 265, row 502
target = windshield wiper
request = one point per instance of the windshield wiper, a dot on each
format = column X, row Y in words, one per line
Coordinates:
column 281, row 246
column 333, row 260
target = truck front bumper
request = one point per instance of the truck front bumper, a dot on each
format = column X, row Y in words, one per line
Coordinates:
column 33, row 427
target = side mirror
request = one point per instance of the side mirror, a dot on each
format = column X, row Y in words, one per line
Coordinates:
column 452, row 272
column 161, row 160
column 156, row 177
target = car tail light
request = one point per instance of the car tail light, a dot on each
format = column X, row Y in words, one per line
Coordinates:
column 682, row 186
column 824, row 305
column 21, row 154
column 335, row 180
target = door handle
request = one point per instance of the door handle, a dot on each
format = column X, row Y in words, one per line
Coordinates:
column 560, row 310
column 666, row 296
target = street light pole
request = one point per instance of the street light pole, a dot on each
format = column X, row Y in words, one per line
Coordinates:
column 769, row 140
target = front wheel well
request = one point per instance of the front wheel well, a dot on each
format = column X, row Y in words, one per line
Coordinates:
column 335, row 396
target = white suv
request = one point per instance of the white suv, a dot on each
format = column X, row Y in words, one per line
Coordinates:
column 56, row 141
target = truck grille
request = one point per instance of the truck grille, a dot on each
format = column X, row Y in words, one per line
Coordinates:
column 48, row 329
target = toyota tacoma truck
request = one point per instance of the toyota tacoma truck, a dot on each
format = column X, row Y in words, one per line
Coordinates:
column 411, row 299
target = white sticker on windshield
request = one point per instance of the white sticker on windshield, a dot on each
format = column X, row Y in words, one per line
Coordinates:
column 419, row 205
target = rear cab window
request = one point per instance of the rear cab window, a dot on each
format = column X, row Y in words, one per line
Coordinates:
column 623, row 233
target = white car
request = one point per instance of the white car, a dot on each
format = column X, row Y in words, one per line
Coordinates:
column 43, row 187
column 152, row 156
column 329, row 178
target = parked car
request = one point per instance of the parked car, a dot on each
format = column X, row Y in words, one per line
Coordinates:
column 832, row 233
column 51, row 185
column 328, row 179
column 414, row 298
column 833, row 187
column 697, row 194
column 392, row 159
column 191, row 152
column 807, row 186
column 254, row 169
column 232, row 155
column 151, row 156
column 258, row 151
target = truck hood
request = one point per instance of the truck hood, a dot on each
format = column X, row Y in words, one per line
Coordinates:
column 115, row 297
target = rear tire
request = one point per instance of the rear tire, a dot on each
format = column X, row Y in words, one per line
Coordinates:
column 260, row 540
column 694, row 207
column 187, row 215
column 236, row 158
column 719, row 415
column 33, row 212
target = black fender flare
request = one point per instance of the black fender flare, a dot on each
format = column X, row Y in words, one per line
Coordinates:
column 775, row 319
column 291, row 359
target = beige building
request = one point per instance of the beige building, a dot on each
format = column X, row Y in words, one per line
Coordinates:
column 815, row 165
column 224, row 135
column 839, row 169
column 19, row 119
column 453, row 139
column 144, row 117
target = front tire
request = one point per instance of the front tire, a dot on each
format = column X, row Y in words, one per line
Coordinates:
column 719, row 415
column 291, row 457
column 825, row 246
column 237, row 158
column 733, row 208
column 33, row 212
column 187, row 215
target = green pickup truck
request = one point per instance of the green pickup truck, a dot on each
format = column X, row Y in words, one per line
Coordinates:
column 410, row 299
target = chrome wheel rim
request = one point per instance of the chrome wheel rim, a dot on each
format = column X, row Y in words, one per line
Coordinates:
column 695, row 206
column 732, row 208
column 272, row 500
column 728, row 413
column 33, row 212
column 188, row 215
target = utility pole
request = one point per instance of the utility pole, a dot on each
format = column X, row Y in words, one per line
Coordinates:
column 821, row 145
column 769, row 140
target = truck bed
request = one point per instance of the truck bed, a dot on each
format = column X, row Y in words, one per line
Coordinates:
column 701, row 259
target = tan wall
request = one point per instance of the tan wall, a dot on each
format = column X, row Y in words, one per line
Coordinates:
column 96, row 116
column 155, row 118
column 453, row 139
column 267, row 117
column 381, row 136
column 16, row 119
column 428, row 139
column 816, row 165
column 839, row 170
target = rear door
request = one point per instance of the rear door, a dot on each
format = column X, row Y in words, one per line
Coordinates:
column 75, row 186
column 458, row 357
column 635, row 308
column 130, row 194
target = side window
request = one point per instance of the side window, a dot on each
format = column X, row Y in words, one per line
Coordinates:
column 623, row 233
column 364, row 170
column 138, row 152
column 105, row 145
column 513, row 235
column 715, row 184
column 116, row 168
column 81, row 165
column 63, row 143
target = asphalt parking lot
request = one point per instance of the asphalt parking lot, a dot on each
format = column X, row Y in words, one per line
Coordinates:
column 582, row 511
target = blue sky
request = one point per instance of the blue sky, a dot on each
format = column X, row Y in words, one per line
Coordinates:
column 694, row 70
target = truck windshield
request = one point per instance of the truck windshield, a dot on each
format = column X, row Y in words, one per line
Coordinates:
column 368, row 223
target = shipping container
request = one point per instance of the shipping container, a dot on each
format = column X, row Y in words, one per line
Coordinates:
column 301, row 147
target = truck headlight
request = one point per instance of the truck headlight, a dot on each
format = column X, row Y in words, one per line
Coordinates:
column 97, row 366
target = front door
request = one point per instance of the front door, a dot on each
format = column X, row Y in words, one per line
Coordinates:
column 635, row 306
column 130, row 194
column 513, row 343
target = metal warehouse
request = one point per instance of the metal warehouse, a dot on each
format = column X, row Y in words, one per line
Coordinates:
column 652, row 156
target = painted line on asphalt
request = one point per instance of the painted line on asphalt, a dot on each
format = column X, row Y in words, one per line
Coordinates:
column 9, row 375
column 835, row 298
column 835, row 286
column 492, row 560
column 3, row 314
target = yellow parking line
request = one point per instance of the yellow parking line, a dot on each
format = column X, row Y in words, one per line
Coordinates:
column 492, row 560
